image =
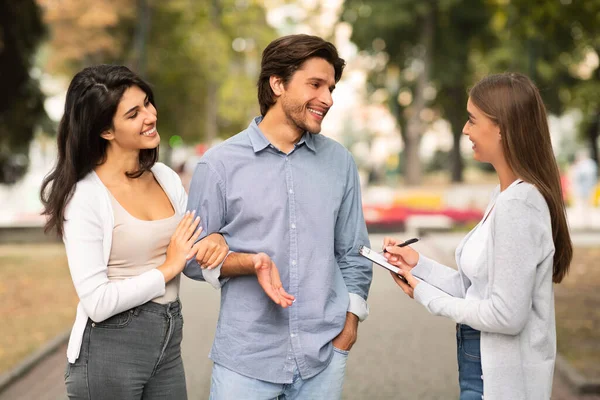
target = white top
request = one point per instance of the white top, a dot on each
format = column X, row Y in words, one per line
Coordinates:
column 88, row 232
column 472, row 250
column 516, row 312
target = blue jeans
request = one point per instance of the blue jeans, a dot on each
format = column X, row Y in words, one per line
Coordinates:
column 132, row 355
column 470, row 375
column 229, row 385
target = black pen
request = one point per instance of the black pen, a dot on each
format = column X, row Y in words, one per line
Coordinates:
column 406, row 243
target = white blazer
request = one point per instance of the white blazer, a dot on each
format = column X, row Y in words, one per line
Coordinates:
column 87, row 235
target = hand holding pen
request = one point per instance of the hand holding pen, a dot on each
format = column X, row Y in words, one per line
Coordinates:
column 400, row 252
column 403, row 244
column 404, row 257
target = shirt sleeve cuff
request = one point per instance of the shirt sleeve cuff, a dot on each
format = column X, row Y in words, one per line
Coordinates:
column 358, row 306
column 213, row 276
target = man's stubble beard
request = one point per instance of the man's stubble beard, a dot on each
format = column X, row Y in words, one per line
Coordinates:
column 296, row 115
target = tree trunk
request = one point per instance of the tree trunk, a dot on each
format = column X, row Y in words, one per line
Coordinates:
column 211, row 110
column 414, row 125
column 592, row 135
column 142, row 31
column 455, row 115
column 456, row 161
column 211, row 113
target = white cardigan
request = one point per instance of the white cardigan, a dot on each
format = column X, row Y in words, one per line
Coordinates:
column 88, row 231
column 516, row 316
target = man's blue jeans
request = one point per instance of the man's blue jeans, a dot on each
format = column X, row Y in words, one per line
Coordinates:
column 470, row 376
column 229, row 385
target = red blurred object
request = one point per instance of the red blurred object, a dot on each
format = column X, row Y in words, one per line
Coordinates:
column 565, row 185
column 389, row 218
column 201, row 149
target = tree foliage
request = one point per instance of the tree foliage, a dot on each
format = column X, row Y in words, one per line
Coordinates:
column 21, row 103
column 553, row 43
column 548, row 40
column 396, row 27
column 200, row 56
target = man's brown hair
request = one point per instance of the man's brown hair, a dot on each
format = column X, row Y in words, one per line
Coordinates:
column 284, row 56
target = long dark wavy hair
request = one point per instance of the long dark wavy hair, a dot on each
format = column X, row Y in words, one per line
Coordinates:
column 92, row 100
column 513, row 102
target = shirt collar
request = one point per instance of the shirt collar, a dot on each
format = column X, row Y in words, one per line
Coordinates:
column 260, row 142
column 257, row 138
column 309, row 140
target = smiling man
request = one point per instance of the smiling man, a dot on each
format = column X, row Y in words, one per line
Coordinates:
column 287, row 201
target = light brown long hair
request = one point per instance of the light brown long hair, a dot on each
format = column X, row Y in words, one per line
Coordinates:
column 513, row 102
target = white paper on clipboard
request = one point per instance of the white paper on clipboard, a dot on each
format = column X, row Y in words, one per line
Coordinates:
column 377, row 259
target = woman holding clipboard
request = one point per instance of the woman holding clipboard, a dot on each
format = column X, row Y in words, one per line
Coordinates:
column 502, row 295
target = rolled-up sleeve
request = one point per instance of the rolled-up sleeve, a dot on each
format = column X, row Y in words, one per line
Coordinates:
column 350, row 234
column 207, row 198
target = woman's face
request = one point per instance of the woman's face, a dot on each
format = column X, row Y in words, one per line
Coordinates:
column 134, row 123
column 484, row 134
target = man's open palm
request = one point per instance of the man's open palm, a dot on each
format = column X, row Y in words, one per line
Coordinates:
column 268, row 277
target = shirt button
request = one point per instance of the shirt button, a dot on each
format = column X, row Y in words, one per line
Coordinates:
column 293, row 335
column 291, row 191
column 293, row 262
column 93, row 324
column 293, row 226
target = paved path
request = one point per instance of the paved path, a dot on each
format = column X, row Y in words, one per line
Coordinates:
column 402, row 352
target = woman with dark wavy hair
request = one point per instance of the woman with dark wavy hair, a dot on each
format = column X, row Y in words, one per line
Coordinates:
column 502, row 295
column 127, row 237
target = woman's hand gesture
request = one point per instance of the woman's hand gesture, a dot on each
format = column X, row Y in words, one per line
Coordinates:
column 181, row 246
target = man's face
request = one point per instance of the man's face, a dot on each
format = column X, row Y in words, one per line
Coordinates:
column 307, row 96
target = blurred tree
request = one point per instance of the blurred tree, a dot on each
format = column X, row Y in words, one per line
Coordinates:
column 204, row 64
column 428, row 45
column 21, row 103
column 86, row 32
column 557, row 44
column 200, row 56
column 404, row 29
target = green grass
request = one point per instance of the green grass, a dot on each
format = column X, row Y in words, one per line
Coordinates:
column 578, row 313
column 37, row 299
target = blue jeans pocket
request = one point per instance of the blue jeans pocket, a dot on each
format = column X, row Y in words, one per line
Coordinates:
column 340, row 351
column 471, row 349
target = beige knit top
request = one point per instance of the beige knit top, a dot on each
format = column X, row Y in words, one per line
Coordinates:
column 139, row 246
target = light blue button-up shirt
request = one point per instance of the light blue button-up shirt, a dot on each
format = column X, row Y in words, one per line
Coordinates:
column 304, row 210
